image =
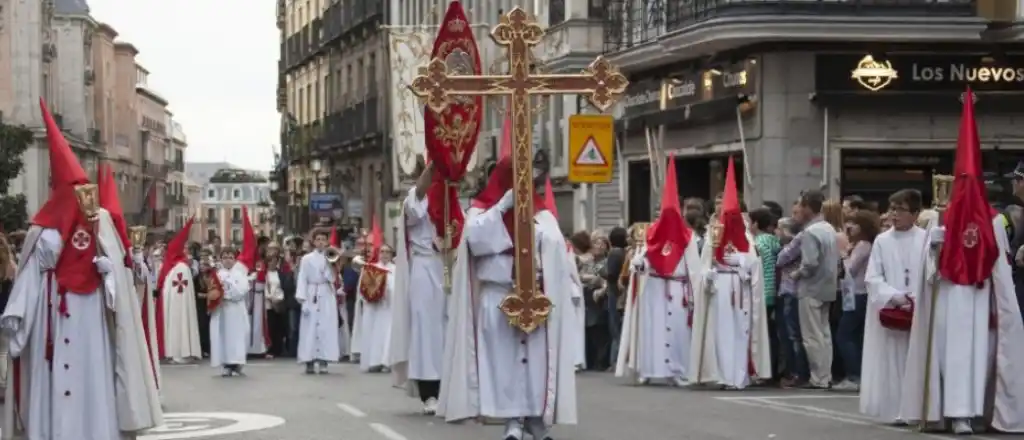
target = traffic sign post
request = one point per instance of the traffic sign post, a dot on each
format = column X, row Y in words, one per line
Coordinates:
column 591, row 148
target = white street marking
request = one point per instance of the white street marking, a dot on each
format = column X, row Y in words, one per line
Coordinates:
column 201, row 424
column 387, row 432
column 791, row 396
column 351, row 410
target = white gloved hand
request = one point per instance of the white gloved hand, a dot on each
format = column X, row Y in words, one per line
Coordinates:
column 103, row 265
column 710, row 276
column 138, row 257
column 507, row 201
column 899, row 300
column 937, row 235
column 736, row 259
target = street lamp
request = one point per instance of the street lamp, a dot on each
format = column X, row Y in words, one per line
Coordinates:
column 274, row 186
column 316, row 165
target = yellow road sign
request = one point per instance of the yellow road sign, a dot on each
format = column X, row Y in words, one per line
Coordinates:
column 591, row 148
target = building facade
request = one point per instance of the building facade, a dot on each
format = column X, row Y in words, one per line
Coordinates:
column 177, row 195
column 73, row 85
column 331, row 88
column 856, row 97
column 28, row 51
column 194, row 209
column 223, row 197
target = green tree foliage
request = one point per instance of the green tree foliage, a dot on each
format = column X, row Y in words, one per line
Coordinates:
column 14, row 140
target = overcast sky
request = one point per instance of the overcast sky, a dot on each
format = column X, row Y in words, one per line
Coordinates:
column 216, row 62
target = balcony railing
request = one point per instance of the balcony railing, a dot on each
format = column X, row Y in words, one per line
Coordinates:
column 179, row 166
column 630, row 23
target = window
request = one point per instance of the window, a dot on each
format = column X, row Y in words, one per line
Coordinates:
column 236, row 236
column 211, row 234
column 360, row 87
column 371, row 71
column 211, row 214
column 236, row 214
column 211, row 194
column 236, row 194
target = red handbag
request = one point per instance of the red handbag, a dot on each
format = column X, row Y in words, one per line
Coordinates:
column 899, row 319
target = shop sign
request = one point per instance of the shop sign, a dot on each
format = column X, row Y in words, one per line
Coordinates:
column 690, row 88
column 896, row 73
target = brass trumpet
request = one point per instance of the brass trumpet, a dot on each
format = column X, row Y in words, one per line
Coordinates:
column 333, row 254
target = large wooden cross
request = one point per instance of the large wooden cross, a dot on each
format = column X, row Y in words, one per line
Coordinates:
column 526, row 308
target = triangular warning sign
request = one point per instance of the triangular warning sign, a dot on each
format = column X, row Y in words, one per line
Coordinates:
column 590, row 155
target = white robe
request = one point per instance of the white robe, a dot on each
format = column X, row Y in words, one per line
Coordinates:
column 181, row 324
column 965, row 352
column 318, row 325
column 492, row 369
column 895, row 266
column 259, row 336
column 580, row 358
column 145, row 296
column 655, row 337
column 418, row 309
column 737, row 326
column 101, row 383
column 149, row 310
column 371, row 334
column 229, row 322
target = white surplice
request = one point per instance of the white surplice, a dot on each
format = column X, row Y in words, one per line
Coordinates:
column 372, row 326
column 318, row 325
column 655, row 337
column 259, row 337
column 100, row 382
column 965, row 351
column 229, row 322
column 491, row 368
column 418, row 309
column 736, row 336
column 181, row 323
column 895, row 266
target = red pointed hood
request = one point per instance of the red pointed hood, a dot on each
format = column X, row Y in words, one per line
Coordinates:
column 75, row 269
column 334, row 240
column 110, row 201
column 734, row 230
column 66, row 172
column 549, row 198
column 375, row 240
column 970, row 248
column 500, row 179
column 249, row 253
column 669, row 236
column 175, row 252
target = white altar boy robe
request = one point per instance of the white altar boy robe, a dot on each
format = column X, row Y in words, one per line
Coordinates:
column 737, row 325
column 965, row 351
column 258, row 332
column 418, row 306
column 229, row 322
column 318, row 327
column 507, row 373
column 895, row 266
column 655, row 338
column 372, row 326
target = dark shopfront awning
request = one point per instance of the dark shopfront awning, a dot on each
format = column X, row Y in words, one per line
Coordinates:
column 683, row 116
column 922, row 102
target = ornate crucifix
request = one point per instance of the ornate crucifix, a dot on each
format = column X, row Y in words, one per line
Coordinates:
column 526, row 308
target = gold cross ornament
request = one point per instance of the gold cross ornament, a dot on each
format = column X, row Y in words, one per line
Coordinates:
column 526, row 308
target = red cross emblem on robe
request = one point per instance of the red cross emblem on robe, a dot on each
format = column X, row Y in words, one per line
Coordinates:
column 180, row 283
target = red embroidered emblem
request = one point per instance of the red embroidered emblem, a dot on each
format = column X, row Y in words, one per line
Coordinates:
column 971, row 235
column 180, row 283
column 81, row 239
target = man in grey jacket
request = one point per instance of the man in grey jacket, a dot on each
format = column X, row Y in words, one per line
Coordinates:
column 818, row 274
